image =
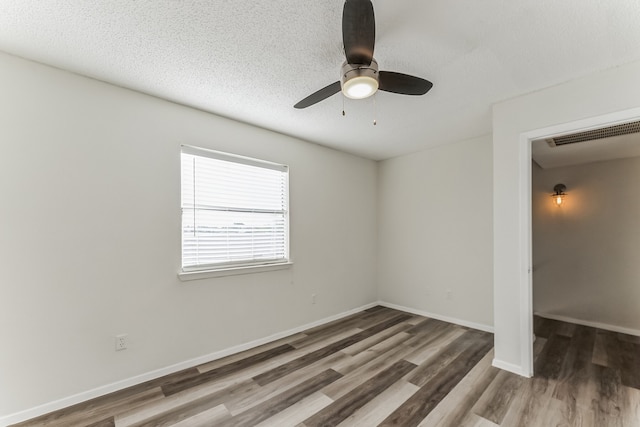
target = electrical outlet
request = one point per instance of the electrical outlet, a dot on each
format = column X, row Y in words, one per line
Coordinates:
column 449, row 294
column 313, row 298
column 121, row 342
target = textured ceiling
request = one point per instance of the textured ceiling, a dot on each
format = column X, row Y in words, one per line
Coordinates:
column 252, row 60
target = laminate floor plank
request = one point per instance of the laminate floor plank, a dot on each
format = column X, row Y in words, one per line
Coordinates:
column 154, row 384
column 634, row 339
column 630, row 364
column 530, row 405
column 392, row 321
column 418, row 406
column 537, row 323
column 551, row 359
column 419, row 339
column 282, row 401
column 298, row 412
column 303, row 361
column 225, row 370
column 154, row 410
column 575, row 387
column 613, row 348
column 259, row 365
column 96, row 409
column 538, row 345
column 443, row 360
column 370, row 319
column 109, row 422
column 415, row 320
column 428, row 327
column 573, row 380
column 354, row 362
column 355, row 377
column 345, row 406
column 545, row 327
column 600, row 356
column 209, row 366
column 242, row 392
column 311, row 340
column 96, row 412
column 496, row 399
column 373, row 340
column 560, row 413
column 606, row 396
column 379, row 408
column 309, row 358
column 458, row 404
column 630, row 406
column 206, row 418
column 194, row 407
column 351, row 321
column 239, row 403
column 385, row 367
column 431, row 347
column 473, row 420
column 566, row 329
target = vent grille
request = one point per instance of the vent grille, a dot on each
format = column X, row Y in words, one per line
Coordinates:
column 590, row 135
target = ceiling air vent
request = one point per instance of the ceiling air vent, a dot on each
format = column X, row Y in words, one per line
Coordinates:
column 590, row 135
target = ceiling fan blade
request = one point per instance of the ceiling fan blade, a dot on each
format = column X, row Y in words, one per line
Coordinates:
column 403, row 83
column 320, row 95
column 358, row 31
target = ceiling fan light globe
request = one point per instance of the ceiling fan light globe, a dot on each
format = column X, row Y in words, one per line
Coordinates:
column 360, row 87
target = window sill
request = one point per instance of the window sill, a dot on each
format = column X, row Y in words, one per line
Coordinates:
column 186, row 276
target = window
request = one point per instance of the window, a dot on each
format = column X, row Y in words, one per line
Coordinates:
column 234, row 211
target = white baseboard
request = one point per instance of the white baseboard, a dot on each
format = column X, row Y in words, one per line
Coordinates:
column 506, row 366
column 606, row 327
column 473, row 325
column 139, row 379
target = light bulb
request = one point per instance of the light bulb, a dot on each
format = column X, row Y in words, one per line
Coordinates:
column 360, row 87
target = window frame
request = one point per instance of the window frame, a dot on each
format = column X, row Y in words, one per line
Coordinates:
column 193, row 272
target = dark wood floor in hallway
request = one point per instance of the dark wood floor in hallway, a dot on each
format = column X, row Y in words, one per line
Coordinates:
column 383, row 367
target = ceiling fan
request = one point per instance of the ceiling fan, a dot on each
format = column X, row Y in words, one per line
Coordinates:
column 360, row 77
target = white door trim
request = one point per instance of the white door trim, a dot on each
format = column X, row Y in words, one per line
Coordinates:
column 526, row 277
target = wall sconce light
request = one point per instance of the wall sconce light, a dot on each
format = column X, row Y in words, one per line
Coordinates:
column 559, row 195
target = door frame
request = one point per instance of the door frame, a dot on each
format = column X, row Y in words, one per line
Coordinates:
column 526, row 248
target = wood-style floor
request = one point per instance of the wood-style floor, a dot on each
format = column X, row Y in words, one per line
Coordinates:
column 383, row 367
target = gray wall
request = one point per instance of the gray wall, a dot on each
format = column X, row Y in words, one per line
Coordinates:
column 435, row 223
column 586, row 252
column 90, row 247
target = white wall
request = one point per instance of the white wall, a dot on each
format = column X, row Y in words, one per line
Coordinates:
column 615, row 94
column 435, row 225
column 585, row 253
column 90, row 236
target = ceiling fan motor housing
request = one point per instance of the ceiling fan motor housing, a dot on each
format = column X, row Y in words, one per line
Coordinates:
column 358, row 80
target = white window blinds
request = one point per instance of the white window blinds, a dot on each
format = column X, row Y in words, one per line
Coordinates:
column 234, row 210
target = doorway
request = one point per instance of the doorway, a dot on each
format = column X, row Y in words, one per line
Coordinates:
column 526, row 248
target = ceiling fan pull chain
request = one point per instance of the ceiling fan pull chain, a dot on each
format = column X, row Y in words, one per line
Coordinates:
column 375, row 110
column 343, row 113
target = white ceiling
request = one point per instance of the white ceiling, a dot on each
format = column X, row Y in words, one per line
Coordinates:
column 252, row 60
